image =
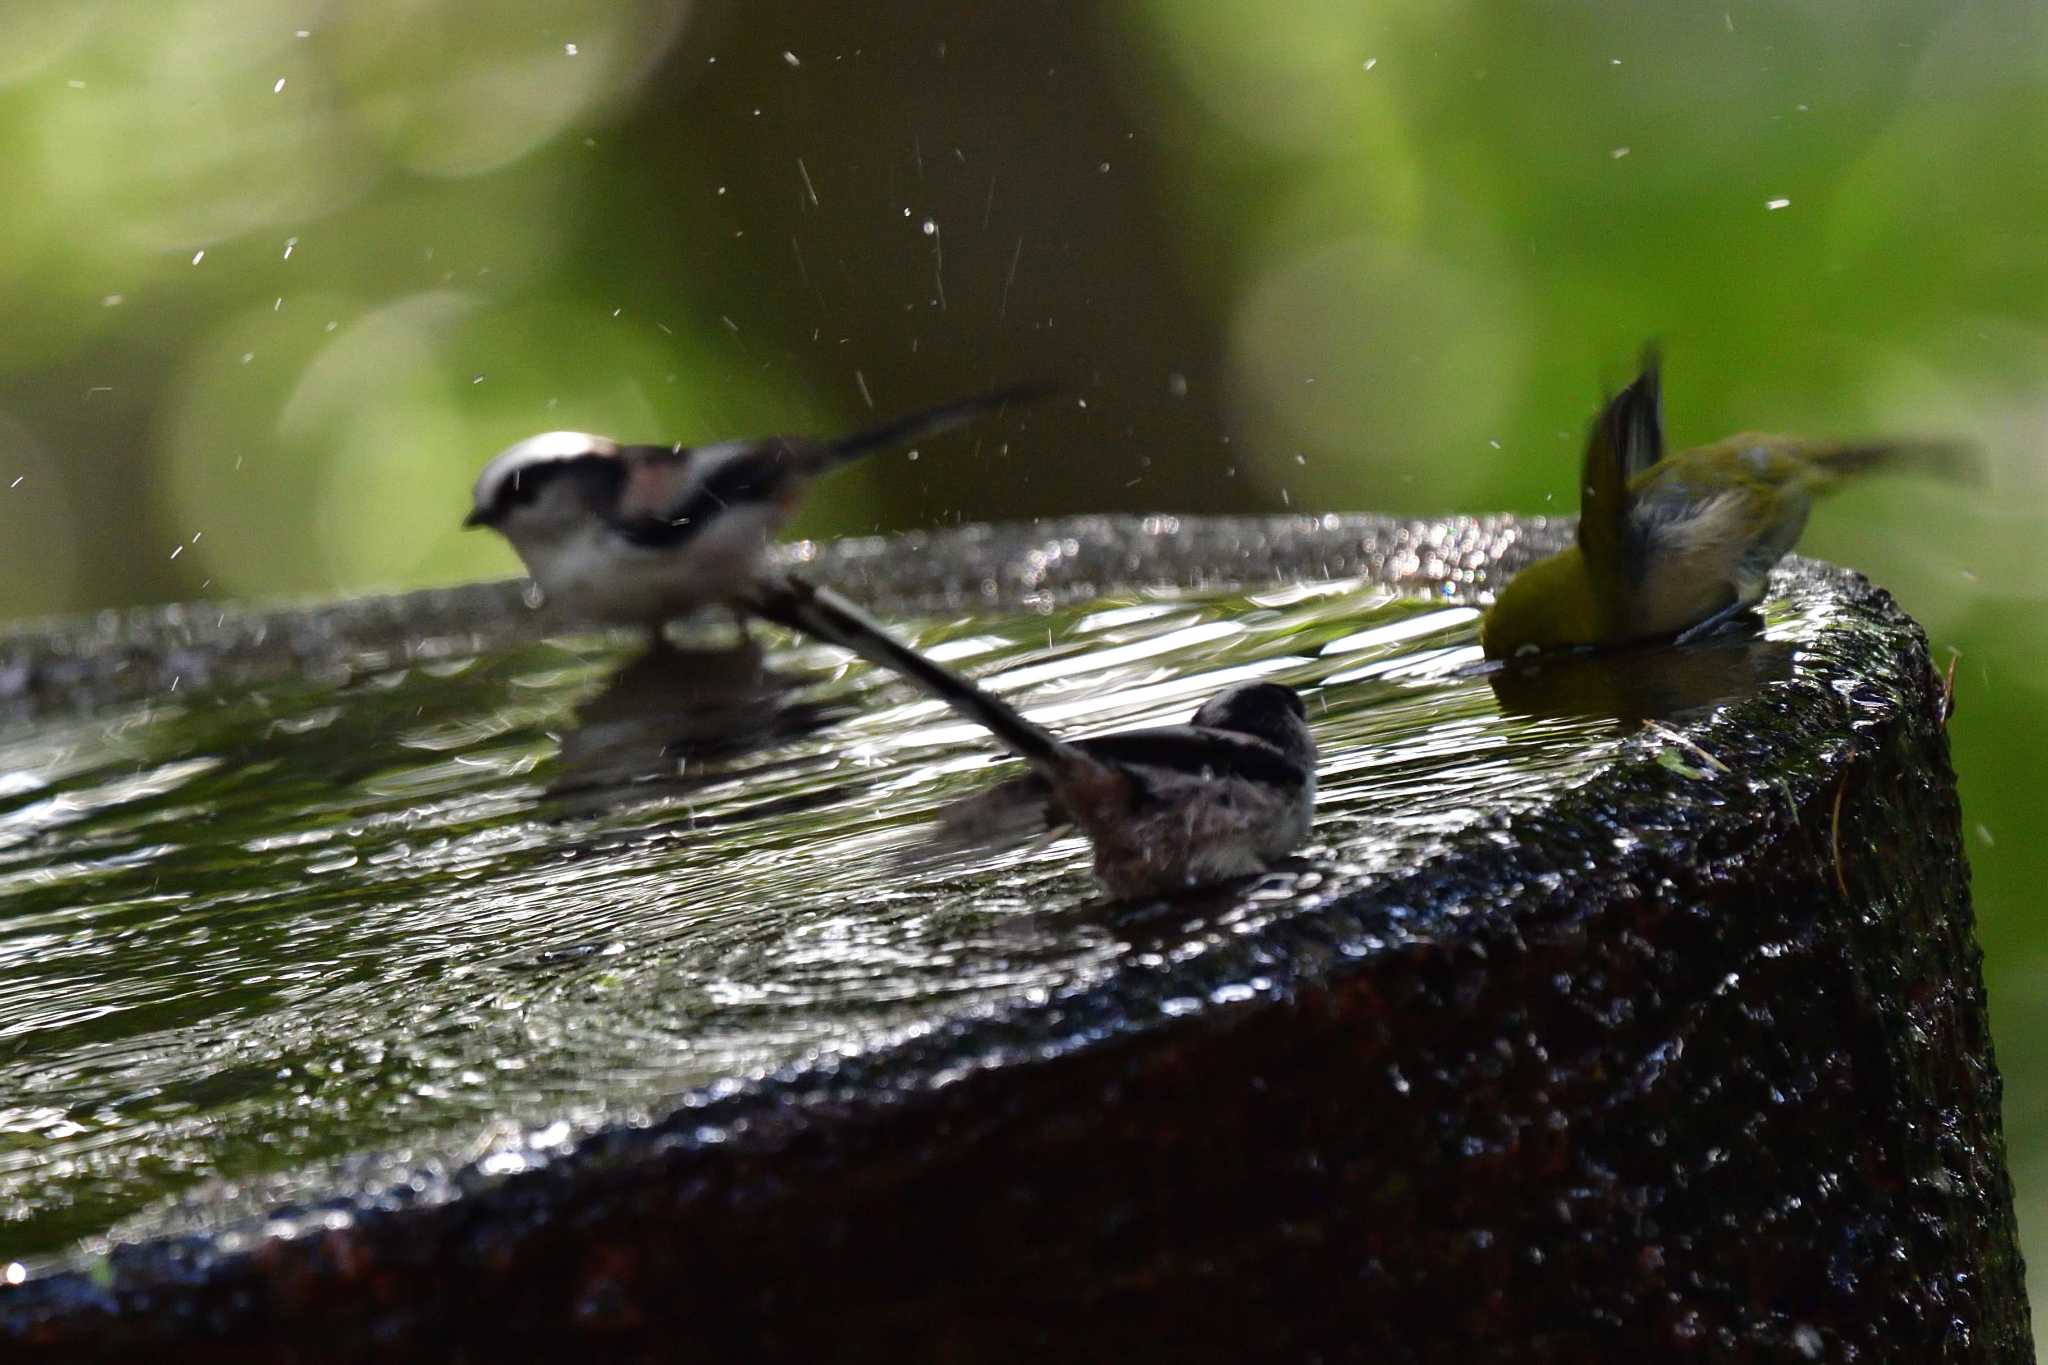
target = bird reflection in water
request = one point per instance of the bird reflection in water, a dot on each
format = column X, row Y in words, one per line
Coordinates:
column 667, row 723
column 1648, row 683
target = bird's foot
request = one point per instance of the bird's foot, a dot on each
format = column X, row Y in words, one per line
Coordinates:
column 1735, row 616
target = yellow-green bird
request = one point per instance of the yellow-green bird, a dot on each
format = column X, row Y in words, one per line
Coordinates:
column 1678, row 546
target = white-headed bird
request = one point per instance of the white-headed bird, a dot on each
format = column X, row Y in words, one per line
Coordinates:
column 642, row 534
column 1166, row 808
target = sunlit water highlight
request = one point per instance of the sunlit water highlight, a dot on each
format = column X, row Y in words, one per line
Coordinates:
column 247, row 934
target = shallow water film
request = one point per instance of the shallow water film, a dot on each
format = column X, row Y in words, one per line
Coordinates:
column 424, row 910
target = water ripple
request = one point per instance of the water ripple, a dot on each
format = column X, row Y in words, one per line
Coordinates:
column 253, row 932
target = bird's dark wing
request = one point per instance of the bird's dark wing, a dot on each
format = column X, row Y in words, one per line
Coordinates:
column 670, row 495
column 1190, row 749
column 1627, row 438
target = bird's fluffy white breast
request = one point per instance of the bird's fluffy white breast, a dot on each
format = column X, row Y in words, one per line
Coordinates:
column 595, row 573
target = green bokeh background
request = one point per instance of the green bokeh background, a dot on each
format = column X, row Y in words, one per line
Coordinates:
column 277, row 277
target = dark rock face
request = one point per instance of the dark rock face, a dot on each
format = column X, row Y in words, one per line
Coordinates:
column 1688, row 1064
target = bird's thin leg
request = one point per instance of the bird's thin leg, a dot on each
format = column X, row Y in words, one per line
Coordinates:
column 657, row 638
column 739, row 624
column 1703, row 629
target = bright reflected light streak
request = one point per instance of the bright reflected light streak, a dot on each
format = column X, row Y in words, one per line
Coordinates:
column 1431, row 663
column 1095, row 661
column 1394, row 632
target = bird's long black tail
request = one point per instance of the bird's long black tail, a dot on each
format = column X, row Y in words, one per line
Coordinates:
column 903, row 430
column 804, row 606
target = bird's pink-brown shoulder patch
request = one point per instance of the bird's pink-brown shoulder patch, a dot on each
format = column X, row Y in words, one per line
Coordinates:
column 658, row 481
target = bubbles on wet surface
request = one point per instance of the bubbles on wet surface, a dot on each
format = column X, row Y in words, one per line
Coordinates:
column 251, row 933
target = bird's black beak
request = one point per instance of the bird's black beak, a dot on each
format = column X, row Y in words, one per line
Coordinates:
column 477, row 517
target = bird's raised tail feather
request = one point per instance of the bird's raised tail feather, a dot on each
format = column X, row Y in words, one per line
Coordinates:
column 930, row 422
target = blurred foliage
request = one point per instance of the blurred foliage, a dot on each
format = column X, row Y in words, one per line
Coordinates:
column 281, row 276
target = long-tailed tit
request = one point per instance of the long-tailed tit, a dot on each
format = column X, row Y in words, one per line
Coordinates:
column 642, row 534
column 1222, row 797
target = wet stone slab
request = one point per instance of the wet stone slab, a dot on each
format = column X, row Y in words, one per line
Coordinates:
column 385, row 979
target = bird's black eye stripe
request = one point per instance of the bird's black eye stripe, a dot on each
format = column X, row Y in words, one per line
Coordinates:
column 525, row 483
column 515, row 491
